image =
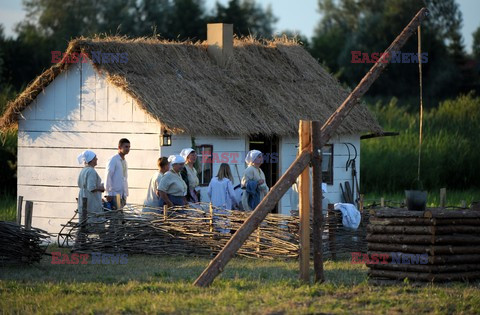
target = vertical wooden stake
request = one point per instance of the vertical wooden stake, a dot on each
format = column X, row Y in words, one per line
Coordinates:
column 258, row 242
column 464, row 204
column 304, row 205
column 382, row 202
column 211, row 217
column 360, row 203
column 443, row 197
column 118, row 200
column 317, row 201
column 19, row 210
column 332, row 223
column 28, row 214
column 165, row 213
column 83, row 222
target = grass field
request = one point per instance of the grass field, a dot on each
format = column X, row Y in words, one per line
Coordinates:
column 153, row 284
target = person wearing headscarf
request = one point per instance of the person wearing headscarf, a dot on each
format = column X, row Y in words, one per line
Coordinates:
column 172, row 187
column 91, row 187
column 253, row 181
column 152, row 200
column 189, row 174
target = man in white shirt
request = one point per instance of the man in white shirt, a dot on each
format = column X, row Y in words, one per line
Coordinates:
column 116, row 175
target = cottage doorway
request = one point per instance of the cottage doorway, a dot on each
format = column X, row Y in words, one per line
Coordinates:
column 270, row 167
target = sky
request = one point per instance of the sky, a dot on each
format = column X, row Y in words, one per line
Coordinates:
column 294, row 15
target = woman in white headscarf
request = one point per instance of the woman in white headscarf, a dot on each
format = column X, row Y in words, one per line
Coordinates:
column 172, row 187
column 190, row 175
column 253, row 181
column 91, row 187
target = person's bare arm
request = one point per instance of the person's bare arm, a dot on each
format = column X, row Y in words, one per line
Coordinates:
column 165, row 198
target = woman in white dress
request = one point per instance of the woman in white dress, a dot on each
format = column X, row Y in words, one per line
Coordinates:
column 222, row 196
column 220, row 189
column 91, row 187
column 253, row 181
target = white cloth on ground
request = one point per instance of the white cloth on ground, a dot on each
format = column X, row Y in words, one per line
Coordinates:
column 351, row 217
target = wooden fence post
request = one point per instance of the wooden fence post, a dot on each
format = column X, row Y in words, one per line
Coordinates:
column 165, row 213
column 304, row 204
column 211, row 217
column 360, row 203
column 83, row 222
column 118, row 201
column 19, row 210
column 28, row 214
column 317, row 201
column 443, row 197
column 382, row 202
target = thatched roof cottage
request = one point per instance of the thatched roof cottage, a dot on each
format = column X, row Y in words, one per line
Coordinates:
column 224, row 96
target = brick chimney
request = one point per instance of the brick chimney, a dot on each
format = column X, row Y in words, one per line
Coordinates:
column 220, row 42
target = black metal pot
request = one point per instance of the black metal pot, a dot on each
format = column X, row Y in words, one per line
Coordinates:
column 416, row 199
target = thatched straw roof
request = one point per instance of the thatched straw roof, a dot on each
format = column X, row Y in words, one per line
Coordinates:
column 267, row 87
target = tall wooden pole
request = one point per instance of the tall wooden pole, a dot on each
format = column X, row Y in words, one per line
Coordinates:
column 327, row 131
column 304, row 205
column 317, row 201
column 28, row 214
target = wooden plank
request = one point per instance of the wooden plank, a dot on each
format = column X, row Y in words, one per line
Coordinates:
column 402, row 229
column 424, row 239
column 50, row 225
column 87, row 103
column 317, row 201
column 253, row 221
column 60, row 87
column 55, row 210
column 119, row 127
column 441, row 213
column 67, row 157
column 68, row 194
column 19, row 210
column 426, row 268
column 396, row 213
column 101, row 97
column 45, row 106
column 64, row 177
column 84, row 139
column 73, row 92
column 420, row 249
column 304, row 205
column 120, row 105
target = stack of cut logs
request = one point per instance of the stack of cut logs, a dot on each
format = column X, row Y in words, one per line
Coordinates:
column 447, row 241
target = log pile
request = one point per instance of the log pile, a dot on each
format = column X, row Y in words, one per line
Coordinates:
column 192, row 231
column 21, row 245
column 433, row 245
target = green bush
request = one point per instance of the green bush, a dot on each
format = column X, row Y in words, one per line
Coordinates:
column 450, row 150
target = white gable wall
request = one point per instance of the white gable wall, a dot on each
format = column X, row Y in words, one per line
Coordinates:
column 79, row 110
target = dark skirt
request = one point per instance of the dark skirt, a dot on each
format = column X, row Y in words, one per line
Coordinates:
column 177, row 201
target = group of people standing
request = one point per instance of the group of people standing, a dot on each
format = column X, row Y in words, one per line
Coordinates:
column 175, row 183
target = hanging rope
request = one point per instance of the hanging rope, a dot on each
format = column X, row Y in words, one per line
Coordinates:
column 421, row 100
